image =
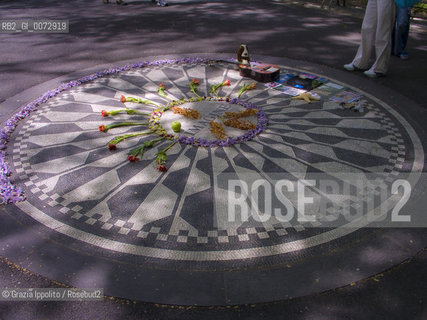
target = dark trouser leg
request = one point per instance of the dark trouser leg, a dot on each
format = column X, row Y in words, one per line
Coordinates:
column 401, row 30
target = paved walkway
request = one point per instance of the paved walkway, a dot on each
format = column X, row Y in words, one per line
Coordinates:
column 286, row 35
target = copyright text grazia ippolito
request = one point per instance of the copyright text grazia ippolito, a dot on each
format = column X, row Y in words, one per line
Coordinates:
column 318, row 200
column 50, row 294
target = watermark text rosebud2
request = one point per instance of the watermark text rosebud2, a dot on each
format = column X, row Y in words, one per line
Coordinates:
column 252, row 207
column 329, row 202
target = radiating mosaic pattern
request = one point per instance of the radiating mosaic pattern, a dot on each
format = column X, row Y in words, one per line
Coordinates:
column 76, row 185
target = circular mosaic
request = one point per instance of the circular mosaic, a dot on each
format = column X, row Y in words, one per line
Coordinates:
column 172, row 199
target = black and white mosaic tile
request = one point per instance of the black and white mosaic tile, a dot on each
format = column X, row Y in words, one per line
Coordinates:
column 76, row 186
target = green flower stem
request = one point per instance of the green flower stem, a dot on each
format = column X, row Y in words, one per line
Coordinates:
column 139, row 100
column 169, row 146
column 119, row 139
column 115, row 112
column 128, row 111
column 161, row 155
column 214, row 89
column 162, row 93
column 245, row 88
column 193, row 88
column 241, row 91
column 131, row 111
column 142, row 147
column 124, row 124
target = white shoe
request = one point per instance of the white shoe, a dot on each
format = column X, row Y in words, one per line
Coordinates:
column 373, row 74
column 349, row 67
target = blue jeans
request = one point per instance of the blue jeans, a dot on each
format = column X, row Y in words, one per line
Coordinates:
column 401, row 31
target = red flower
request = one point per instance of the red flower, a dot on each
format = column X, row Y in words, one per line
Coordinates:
column 112, row 146
column 162, row 86
column 132, row 158
column 102, row 128
column 195, row 81
column 104, row 113
column 227, row 83
column 162, row 168
column 122, row 98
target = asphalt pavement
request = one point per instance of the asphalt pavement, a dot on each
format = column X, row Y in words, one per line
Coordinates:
column 101, row 34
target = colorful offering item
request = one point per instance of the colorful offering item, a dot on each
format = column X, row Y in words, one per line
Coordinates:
column 176, row 126
column 345, row 97
column 307, row 97
column 243, row 56
column 261, row 72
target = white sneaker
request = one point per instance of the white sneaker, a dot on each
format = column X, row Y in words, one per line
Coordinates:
column 373, row 74
column 349, row 67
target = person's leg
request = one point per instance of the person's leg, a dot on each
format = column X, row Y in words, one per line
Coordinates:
column 394, row 34
column 369, row 25
column 403, row 17
column 386, row 16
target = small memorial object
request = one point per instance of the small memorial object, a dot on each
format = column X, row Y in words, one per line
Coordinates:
column 265, row 72
column 244, row 61
column 307, row 97
column 243, row 55
column 306, row 81
column 345, row 97
column 258, row 72
column 356, row 106
column 176, row 126
column 328, row 89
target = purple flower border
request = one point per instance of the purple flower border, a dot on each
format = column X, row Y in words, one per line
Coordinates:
column 9, row 193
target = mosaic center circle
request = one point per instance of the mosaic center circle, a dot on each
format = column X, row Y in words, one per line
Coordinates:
column 212, row 110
